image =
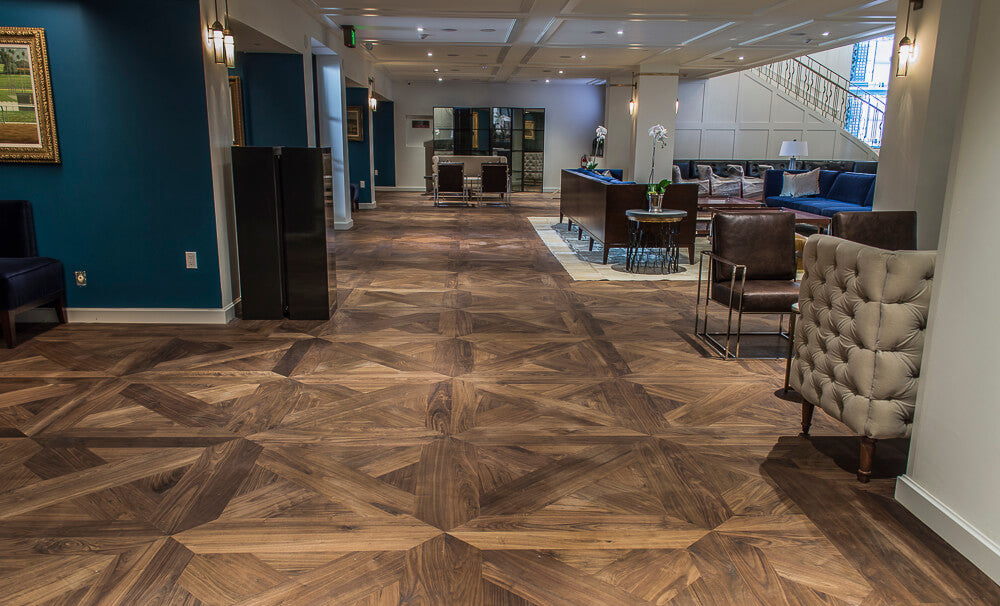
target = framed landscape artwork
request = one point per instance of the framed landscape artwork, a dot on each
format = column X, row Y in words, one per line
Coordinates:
column 355, row 123
column 27, row 116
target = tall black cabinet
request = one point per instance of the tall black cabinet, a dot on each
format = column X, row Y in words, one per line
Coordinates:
column 287, row 268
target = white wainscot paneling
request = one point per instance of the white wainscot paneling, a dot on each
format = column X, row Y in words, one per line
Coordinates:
column 784, row 112
column 821, row 144
column 721, row 98
column 779, row 135
column 755, row 101
column 687, row 143
column 691, row 95
column 718, row 143
column 845, row 147
column 812, row 118
column 751, row 143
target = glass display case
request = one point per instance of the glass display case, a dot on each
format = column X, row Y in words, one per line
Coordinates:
column 515, row 133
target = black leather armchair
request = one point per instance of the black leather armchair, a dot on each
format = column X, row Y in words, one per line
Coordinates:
column 26, row 280
column 888, row 229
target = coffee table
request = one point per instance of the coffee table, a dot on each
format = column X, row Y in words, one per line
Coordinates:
column 652, row 240
column 802, row 216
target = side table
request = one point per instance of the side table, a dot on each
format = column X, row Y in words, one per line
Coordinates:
column 652, row 240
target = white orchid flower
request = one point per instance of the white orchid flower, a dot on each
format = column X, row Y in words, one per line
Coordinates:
column 659, row 134
column 602, row 133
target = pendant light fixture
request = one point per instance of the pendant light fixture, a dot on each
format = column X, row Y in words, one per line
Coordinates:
column 229, row 42
column 216, row 37
column 907, row 48
column 372, row 101
column 632, row 100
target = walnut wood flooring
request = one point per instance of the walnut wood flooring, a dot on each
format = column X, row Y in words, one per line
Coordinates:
column 471, row 428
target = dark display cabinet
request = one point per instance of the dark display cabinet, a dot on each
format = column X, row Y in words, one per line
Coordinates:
column 287, row 268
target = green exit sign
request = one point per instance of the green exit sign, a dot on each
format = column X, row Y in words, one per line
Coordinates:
column 350, row 36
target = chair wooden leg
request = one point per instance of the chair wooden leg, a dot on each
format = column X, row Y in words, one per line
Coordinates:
column 691, row 254
column 606, row 251
column 867, row 456
column 60, row 305
column 591, row 245
column 807, row 418
column 9, row 328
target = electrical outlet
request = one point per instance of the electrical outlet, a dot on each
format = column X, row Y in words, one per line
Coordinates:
column 81, row 278
column 362, row 185
column 191, row 260
column 376, row 172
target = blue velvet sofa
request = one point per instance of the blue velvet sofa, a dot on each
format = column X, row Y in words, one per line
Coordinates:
column 614, row 179
column 838, row 192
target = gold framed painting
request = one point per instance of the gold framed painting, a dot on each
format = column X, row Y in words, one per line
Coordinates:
column 27, row 116
column 355, row 123
column 236, row 100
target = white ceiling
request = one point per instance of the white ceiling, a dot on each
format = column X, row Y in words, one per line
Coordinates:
column 528, row 40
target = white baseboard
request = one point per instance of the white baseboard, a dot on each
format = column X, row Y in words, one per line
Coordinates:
column 344, row 225
column 151, row 315
column 953, row 528
column 367, row 205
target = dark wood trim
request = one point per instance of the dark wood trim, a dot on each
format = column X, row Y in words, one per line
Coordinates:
column 807, row 418
column 867, row 456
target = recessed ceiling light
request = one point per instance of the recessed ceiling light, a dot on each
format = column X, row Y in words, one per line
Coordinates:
column 436, row 69
column 560, row 71
column 430, row 54
column 826, row 33
column 741, row 57
column 621, row 32
column 440, row 79
column 488, row 30
column 420, row 29
column 546, row 80
column 583, row 56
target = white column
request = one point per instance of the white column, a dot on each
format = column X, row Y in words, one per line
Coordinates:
column 619, row 148
column 332, row 107
column 951, row 482
column 656, row 104
column 923, row 111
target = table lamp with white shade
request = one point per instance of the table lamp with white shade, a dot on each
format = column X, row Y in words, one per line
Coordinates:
column 792, row 149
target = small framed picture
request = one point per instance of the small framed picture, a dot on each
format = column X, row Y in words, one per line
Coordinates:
column 420, row 124
column 355, row 123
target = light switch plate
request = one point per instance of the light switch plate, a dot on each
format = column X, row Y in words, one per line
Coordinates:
column 191, row 260
column 362, row 185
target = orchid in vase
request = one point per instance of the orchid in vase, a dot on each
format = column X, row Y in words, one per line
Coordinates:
column 602, row 134
column 656, row 190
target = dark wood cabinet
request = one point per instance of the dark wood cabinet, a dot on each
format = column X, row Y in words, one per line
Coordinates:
column 287, row 267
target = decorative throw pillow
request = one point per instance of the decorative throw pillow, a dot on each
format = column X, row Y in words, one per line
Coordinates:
column 734, row 170
column 607, row 173
column 763, row 168
column 803, row 184
column 704, row 171
column 676, row 174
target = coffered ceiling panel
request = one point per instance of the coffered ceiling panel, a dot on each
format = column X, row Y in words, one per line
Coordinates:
column 673, row 8
column 587, row 32
column 514, row 39
column 433, row 30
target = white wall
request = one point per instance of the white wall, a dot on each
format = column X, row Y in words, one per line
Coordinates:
column 737, row 116
column 572, row 113
column 839, row 60
column 922, row 114
column 952, row 483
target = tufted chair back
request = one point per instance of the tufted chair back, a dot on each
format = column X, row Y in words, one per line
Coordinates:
column 860, row 339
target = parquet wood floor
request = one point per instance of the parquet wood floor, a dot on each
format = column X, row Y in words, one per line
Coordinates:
column 471, row 428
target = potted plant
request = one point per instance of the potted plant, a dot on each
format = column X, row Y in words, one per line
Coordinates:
column 655, row 195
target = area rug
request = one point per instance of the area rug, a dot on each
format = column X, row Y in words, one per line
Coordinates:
column 583, row 264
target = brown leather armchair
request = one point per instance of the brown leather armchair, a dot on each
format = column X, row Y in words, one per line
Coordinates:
column 886, row 229
column 752, row 270
column 450, row 179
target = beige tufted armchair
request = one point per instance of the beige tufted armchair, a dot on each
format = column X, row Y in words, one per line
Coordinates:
column 860, row 338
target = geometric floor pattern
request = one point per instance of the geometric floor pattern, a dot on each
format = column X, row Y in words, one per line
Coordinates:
column 472, row 427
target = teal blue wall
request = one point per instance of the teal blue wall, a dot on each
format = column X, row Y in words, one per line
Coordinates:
column 384, row 125
column 274, row 93
column 134, row 190
column 358, row 158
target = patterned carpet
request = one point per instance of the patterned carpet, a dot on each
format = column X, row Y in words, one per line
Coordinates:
column 584, row 264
